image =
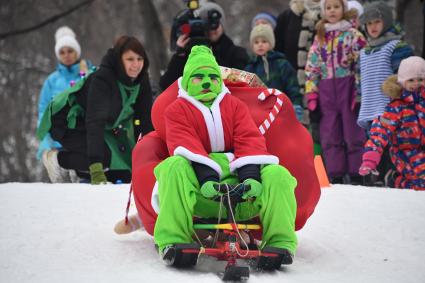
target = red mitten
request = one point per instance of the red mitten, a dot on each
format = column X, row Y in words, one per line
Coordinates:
column 370, row 161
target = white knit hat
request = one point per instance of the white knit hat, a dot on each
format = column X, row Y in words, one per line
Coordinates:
column 66, row 37
column 322, row 6
column 410, row 68
column 262, row 30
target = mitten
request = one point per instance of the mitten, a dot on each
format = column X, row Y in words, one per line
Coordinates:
column 299, row 112
column 312, row 101
column 370, row 161
column 255, row 191
column 96, row 173
column 208, row 190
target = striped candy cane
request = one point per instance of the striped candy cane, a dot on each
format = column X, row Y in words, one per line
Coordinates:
column 276, row 108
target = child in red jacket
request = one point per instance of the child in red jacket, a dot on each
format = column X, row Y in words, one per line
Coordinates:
column 402, row 127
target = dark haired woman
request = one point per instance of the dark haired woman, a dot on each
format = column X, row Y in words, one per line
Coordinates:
column 117, row 102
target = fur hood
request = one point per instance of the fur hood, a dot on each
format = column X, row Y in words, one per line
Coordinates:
column 297, row 6
column 392, row 88
column 310, row 8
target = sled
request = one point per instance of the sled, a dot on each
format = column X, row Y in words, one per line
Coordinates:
column 228, row 244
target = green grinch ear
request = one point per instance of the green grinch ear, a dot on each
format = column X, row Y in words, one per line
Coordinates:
column 200, row 56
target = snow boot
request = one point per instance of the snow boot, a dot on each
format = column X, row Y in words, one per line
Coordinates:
column 56, row 173
column 284, row 257
column 390, row 178
column 337, row 180
column 356, row 180
column 173, row 255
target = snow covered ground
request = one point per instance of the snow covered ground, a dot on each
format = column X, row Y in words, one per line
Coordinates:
column 64, row 233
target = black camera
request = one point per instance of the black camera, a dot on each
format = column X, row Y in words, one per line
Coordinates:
column 188, row 22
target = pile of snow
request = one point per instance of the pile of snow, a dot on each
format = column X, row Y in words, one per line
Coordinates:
column 64, row 233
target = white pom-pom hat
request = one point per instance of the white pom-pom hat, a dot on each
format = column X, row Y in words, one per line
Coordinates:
column 65, row 37
column 410, row 68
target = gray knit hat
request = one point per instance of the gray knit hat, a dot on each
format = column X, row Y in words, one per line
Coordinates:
column 262, row 30
column 378, row 10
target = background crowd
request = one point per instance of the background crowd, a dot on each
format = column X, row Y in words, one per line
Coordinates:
column 290, row 56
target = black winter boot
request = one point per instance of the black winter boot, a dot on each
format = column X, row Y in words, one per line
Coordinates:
column 177, row 255
column 271, row 263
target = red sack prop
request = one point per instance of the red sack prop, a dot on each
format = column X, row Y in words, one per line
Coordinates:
column 285, row 138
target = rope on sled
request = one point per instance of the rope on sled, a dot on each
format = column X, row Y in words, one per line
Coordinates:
column 276, row 108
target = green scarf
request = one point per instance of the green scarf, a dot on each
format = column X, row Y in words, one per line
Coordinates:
column 119, row 136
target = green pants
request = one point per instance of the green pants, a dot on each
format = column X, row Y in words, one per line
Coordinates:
column 180, row 199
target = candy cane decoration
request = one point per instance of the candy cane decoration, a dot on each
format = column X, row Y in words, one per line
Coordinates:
column 276, row 108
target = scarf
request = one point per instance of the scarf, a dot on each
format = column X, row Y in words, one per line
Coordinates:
column 342, row 25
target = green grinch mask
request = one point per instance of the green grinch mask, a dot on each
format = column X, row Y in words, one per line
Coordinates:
column 204, row 85
column 201, row 75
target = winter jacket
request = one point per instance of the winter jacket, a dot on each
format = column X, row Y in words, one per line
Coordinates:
column 225, row 51
column 337, row 58
column 401, row 51
column 281, row 74
column 104, row 103
column 402, row 127
column 377, row 63
column 294, row 34
column 56, row 83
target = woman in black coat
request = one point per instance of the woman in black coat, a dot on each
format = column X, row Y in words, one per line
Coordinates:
column 117, row 102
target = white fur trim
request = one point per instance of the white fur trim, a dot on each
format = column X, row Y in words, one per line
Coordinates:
column 304, row 38
column 212, row 116
column 253, row 159
column 182, row 151
column 230, row 156
column 297, row 6
column 155, row 198
column 302, row 58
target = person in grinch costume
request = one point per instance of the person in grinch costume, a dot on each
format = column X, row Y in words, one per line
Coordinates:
column 212, row 139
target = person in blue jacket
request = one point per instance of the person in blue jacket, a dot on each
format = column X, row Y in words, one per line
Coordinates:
column 69, row 70
column 272, row 67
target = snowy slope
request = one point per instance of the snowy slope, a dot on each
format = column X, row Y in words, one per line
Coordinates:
column 64, row 233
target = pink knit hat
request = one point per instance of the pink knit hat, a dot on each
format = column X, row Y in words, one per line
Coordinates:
column 412, row 67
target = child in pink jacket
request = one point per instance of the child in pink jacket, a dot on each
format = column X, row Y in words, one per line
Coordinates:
column 332, row 76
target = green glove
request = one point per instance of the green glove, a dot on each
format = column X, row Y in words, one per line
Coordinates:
column 255, row 191
column 97, row 175
column 207, row 189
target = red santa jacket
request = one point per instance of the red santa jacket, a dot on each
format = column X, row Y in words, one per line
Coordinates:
column 194, row 130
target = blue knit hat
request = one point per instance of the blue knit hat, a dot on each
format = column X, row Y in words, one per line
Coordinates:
column 264, row 16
